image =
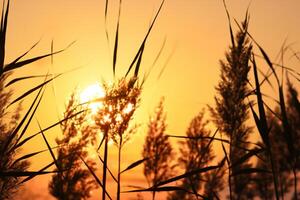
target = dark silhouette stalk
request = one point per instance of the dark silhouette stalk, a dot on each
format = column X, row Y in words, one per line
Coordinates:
column 105, row 166
column 273, row 173
column 119, row 169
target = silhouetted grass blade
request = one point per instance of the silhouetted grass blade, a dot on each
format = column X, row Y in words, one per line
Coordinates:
column 144, row 41
column 13, row 66
column 135, row 164
column 109, row 171
column 49, row 127
column 25, row 78
column 3, row 29
column 96, row 177
column 25, row 173
column 16, row 130
column 32, row 90
column 49, row 147
column 35, row 174
column 187, row 174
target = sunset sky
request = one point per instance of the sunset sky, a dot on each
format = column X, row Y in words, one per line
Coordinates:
column 196, row 31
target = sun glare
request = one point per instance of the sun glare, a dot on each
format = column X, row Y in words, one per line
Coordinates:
column 91, row 93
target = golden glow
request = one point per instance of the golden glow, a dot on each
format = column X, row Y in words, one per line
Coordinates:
column 91, row 93
column 128, row 108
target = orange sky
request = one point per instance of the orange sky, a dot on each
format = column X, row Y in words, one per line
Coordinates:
column 196, row 29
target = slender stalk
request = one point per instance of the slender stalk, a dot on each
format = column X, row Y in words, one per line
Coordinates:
column 273, row 173
column 119, row 169
column 153, row 195
column 105, row 166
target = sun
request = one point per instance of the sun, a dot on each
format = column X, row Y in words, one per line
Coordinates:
column 90, row 93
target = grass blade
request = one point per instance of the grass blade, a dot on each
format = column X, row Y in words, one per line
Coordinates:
column 49, row 147
column 32, row 90
column 144, row 41
column 135, row 164
column 96, row 177
column 187, row 174
column 13, row 66
column 112, row 175
column 46, row 129
column 25, row 78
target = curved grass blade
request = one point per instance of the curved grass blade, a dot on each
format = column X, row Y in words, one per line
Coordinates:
column 36, row 174
column 49, row 147
column 117, row 40
column 46, row 129
column 13, row 66
column 187, row 174
column 164, row 189
column 27, row 156
column 96, row 177
column 230, row 27
column 3, row 29
column 166, row 63
column 32, row 90
column 112, row 175
column 144, row 41
column 16, row 130
column 29, row 120
column 25, row 78
column 24, row 173
column 135, row 164
column 241, row 160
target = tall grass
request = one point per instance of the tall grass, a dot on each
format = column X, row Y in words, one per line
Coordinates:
column 13, row 167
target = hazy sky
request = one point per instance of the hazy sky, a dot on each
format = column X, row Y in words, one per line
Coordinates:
column 196, row 29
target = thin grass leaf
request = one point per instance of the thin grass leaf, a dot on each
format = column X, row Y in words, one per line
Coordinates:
column 230, row 27
column 144, row 41
column 262, row 115
column 46, row 129
column 266, row 58
column 133, row 165
column 34, row 175
column 110, row 172
column 24, row 54
column 49, row 147
column 139, row 61
column 164, row 189
column 116, row 46
column 25, row 78
column 160, row 189
column 188, row 174
column 3, row 29
column 105, row 20
column 16, row 130
column 166, row 63
column 30, row 119
column 27, row 156
column 263, row 136
column 100, row 144
column 286, row 125
column 266, row 78
column 32, row 90
column 95, row 176
column 13, row 66
column 247, row 156
column 24, row 173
